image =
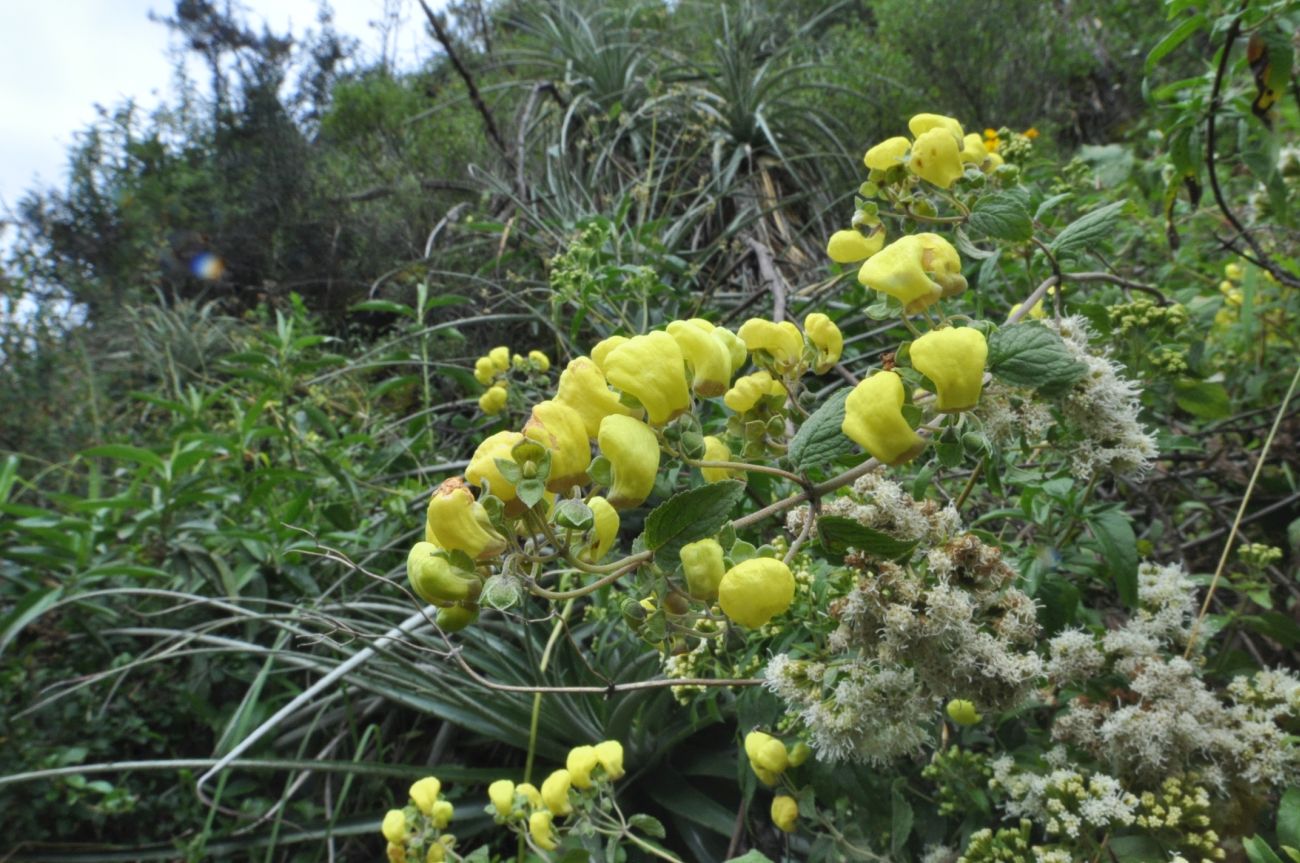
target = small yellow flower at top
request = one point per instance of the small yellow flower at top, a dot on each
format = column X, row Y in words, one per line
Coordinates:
column 873, row 419
column 851, row 246
column 530, row 793
column 963, row 712
column 651, row 369
column 887, row 154
column 954, row 359
column 493, row 401
column 826, row 338
column 561, row 430
column 540, row 361
column 542, row 830
column 785, row 812
column 610, row 755
column 500, row 357
column 394, row 826
column 749, row 390
column 936, row 156
column 442, row 814
column 484, row 371
column 754, row 591
column 456, row 521
column 581, row 761
column 555, row 792
column 502, row 795
column 782, row 341
column 425, row 793
column 922, row 123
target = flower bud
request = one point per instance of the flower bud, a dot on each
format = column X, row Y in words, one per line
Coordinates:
column 610, row 755
column 456, row 617
column 604, row 530
column 442, row 814
column 766, row 755
column 583, row 388
column 484, row 473
column 581, row 761
column 502, row 795
column 954, row 359
column 783, row 341
column 785, row 812
column 751, row 389
column 542, row 831
column 709, row 360
column 394, row 826
column 633, row 453
column 849, row 247
column 435, row 580
column 493, row 401
column 555, row 792
column 873, row 419
column 716, row 450
column 826, row 338
column 424, row 793
column 560, row 429
column 963, row 712
column 922, row 123
column 887, row 154
column 540, row 361
column 437, row 853
column 753, row 592
column 703, row 565
column 651, row 369
column 936, row 158
column 530, row 793
column 458, row 522
column 484, row 371
column 799, row 753
column 396, row 853
column 500, row 358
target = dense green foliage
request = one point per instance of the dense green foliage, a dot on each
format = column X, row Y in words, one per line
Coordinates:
column 239, row 350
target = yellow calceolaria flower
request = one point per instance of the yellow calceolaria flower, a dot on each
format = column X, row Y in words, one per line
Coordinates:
column 604, row 530
column 1234, row 272
column 767, row 756
column 799, row 753
column 437, row 853
column 954, row 359
column 785, row 812
column 424, row 793
column 754, row 591
column 963, row 712
column 396, row 853
column 483, row 472
column 610, row 755
column 703, row 566
column 581, row 761
column 484, row 371
column 652, row 370
column 493, row 401
column 873, row 419
column 502, row 795
column 752, row 388
column 540, row 361
column 783, row 342
column 936, row 158
column 555, row 792
column 583, row 387
column 917, row 270
column 973, row 150
column 530, row 793
column 603, row 348
column 458, row 522
column 542, row 830
column 716, row 450
column 500, row 357
column 1037, row 312
column 442, row 814
column 887, row 154
column 851, row 246
column 456, row 617
column 734, row 347
column 561, row 429
column 922, row 123
column 394, row 826
column 708, row 358
column 435, row 580
column 826, row 338
column 633, row 452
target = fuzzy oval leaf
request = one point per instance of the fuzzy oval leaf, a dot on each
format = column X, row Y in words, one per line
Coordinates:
column 819, row 440
column 1002, row 216
column 1114, row 534
column 1088, row 230
column 1288, row 818
column 1028, row 354
column 1205, row 399
column 689, row 516
column 838, row 534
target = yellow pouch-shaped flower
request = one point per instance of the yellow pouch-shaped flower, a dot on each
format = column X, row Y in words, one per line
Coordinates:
column 709, row 360
column 887, row 154
column 581, row 761
column 603, row 348
column 560, row 429
column 394, row 826
column 530, row 793
column 555, row 792
column 767, row 756
column 633, row 453
column 610, row 755
column 896, row 270
column 936, row 158
column 954, row 359
column 500, row 357
column 604, row 531
column 973, row 150
column 799, row 753
column 785, row 812
column 651, row 369
column 851, row 246
column 540, row 361
column 939, row 258
column 435, row 580
column 750, row 389
column 493, row 401
column 542, row 830
column 424, row 793
column 735, row 348
column 583, row 387
column 704, row 567
column 442, row 814
column 783, row 341
column 922, row 123
column 502, row 795
column 484, row 370
column 456, row 521
column 873, row 419
column 963, row 712
column 716, row 450
column 754, row 591
column 826, row 338
column 483, row 472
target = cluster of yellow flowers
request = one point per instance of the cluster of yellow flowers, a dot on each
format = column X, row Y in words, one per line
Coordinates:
column 588, row 770
column 492, row 370
column 415, row 832
column 769, row 758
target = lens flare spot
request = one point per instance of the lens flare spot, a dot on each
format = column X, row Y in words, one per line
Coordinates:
column 207, row 266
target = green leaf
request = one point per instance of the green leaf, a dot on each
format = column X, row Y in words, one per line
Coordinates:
column 31, row 606
column 647, row 824
column 1205, row 399
column 1288, row 818
column 750, row 857
column 1259, row 852
column 819, row 440
column 1137, row 849
column 838, row 534
column 1114, row 534
column 1028, row 354
column 900, row 819
column 1088, row 230
column 689, row 516
column 1002, row 216
column 125, row 452
column 1173, row 39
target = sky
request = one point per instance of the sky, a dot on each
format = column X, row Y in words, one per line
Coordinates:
column 59, row 60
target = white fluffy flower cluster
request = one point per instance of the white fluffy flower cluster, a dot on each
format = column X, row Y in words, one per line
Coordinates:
column 879, row 503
